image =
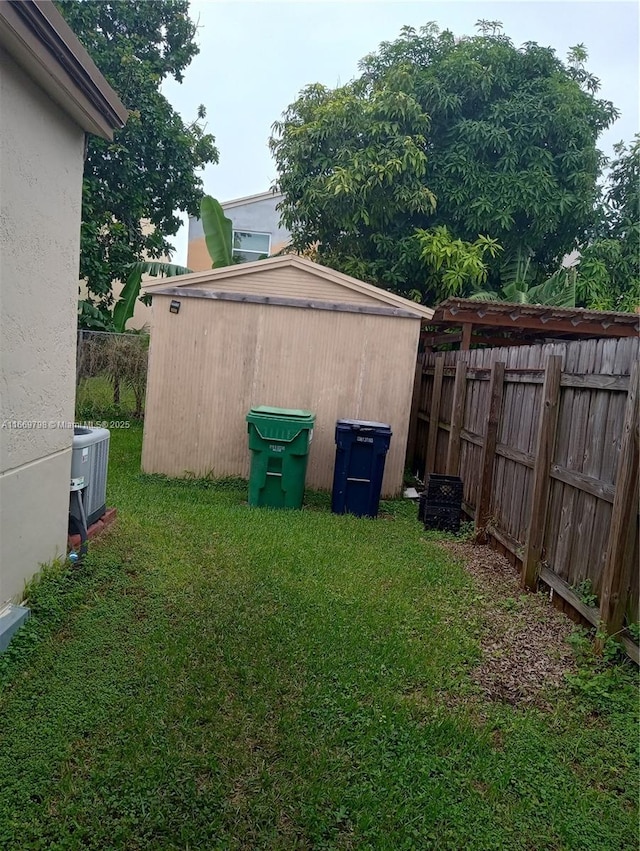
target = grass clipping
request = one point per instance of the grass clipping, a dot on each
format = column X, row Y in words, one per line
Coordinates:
column 525, row 649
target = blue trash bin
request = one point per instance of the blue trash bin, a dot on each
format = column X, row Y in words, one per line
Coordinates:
column 361, row 450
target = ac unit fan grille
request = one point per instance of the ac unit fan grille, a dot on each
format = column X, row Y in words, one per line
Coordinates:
column 95, row 495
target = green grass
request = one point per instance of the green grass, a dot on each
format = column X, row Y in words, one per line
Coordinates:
column 220, row 677
column 94, row 400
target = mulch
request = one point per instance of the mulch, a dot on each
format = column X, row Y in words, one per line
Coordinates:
column 525, row 653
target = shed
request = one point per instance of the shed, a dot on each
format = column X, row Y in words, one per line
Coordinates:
column 286, row 332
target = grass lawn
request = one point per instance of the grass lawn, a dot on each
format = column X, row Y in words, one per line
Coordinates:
column 94, row 400
column 217, row 677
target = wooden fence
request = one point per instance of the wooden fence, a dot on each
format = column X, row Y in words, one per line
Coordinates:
column 545, row 439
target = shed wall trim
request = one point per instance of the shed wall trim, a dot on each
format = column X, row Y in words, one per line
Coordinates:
column 338, row 307
column 299, row 264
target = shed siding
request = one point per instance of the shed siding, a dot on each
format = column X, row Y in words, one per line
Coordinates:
column 289, row 282
column 214, row 360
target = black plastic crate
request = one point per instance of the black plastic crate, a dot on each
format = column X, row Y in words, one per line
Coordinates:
column 444, row 490
column 441, row 517
column 422, row 502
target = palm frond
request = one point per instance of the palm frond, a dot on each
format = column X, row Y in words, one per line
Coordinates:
column 516, row 268
column 123, row 310
column 485, row 295
column 557, row 291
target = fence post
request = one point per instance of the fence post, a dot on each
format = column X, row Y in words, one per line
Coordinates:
column 545, row 447
column 413, row 417
column 434, row 416
column 457, row 418
column 615, row 579
column 489, row 452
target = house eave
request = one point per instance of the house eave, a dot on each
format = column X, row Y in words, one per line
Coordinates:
column 40, row 41
column 250, row 199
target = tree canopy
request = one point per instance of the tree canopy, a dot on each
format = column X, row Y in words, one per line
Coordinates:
column 134, row 185
column 609, row 269
column 472, row 135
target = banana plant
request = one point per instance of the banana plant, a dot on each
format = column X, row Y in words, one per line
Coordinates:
column 557, row 291
column 518, row 287
column 124, row 307
column 218, row 232
column 218, row 238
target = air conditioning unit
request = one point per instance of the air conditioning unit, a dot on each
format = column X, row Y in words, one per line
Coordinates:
column 89, row 462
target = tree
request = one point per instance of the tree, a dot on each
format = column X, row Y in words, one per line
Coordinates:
column 471, row 134
column 609, row 268
column 133, row 185
column 452, row 265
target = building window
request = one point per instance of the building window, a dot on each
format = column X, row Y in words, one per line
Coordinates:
column 248, row 246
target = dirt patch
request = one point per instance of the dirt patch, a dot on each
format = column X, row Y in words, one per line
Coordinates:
column 525, row 654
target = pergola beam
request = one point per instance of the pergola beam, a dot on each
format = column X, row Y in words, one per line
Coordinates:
column 461, row 313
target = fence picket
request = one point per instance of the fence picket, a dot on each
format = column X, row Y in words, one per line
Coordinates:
column 496, row 386
column 590, row 503
column 436, row 398
column 415, row 407
column 541, row 472
column 616, row 579
column 457, row 417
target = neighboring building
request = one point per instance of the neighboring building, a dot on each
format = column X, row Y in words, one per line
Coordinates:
column 257, row 231
column 283, row 331
column 51, row 94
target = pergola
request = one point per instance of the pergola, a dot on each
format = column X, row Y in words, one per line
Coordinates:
column 495, row 323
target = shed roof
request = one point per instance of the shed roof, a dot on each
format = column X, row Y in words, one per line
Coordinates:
column 531, row 321
column 348, row 290
column 40, row 41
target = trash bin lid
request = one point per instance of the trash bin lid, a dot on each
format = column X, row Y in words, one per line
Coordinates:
column 292, row 413
column 356, row 425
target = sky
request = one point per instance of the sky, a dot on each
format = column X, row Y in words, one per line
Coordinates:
column 255, row 57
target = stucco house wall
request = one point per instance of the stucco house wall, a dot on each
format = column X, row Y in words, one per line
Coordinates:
column 41, row 161
column 41, row 165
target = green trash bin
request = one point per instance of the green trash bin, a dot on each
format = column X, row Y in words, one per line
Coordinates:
column 279, row 441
